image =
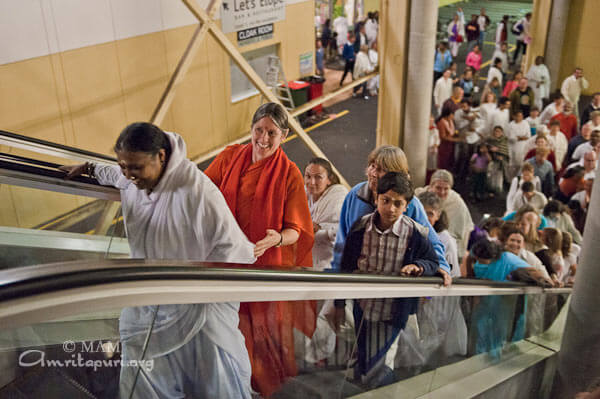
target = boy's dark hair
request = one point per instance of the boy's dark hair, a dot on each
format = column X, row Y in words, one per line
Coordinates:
column 505, row 233
column 553, row 206
column 398, row 182
column 497, row 60
column 486, row 249
column 534, row 108
column 503, row 100
column 527, row 187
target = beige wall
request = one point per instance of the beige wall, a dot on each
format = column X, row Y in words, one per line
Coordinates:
column 581, row 46
column 84, row 97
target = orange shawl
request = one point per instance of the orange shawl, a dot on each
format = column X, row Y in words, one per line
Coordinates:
column 279, row 202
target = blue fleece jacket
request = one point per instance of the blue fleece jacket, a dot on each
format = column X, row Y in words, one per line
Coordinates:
column 358, row 203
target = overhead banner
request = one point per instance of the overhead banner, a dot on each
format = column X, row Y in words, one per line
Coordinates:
column 239, row 15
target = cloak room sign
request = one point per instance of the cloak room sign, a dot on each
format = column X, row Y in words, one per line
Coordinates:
column 239, row 15
column 253, row 35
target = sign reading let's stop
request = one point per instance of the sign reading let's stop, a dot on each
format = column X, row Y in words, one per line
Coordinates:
column 238, row 15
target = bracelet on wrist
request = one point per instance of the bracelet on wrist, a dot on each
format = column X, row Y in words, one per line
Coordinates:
column 90, row 168
column 280, row 240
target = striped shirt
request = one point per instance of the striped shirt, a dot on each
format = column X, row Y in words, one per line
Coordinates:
column 383, row 253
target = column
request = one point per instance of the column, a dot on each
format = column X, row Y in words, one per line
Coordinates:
column 555, row 40
column 419, row 81
column 578, row 359
column 407, row 44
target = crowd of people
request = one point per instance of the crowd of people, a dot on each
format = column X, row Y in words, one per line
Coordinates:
column 254, row 206
column 357, row 49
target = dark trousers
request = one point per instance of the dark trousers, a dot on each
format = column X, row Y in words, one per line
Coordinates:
column 349, row 67
column 479, row 184
column 364, row 88
column 520, row 45
column 436, row 76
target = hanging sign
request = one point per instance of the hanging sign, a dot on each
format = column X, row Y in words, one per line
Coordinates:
column 253, row 35
column 239, row 15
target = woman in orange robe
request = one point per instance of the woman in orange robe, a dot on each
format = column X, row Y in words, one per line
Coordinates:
column 265, row 192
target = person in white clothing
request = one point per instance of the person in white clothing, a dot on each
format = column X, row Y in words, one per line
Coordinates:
column 572, row 87
column 456, row 34
column 325, row 198
column 527, row 195
column 502, row 53
column 539, row 80
column 340, row 26
column 459, row 218
column 501, row 116
column 373, row 83
column 442, row 90
column 495, row 71
column 173, row 211
column 371, row 28
column 554, row 108
column 534, row 120
column 518, row 133
column 586, row 147
column 362, row 67
column 559, row 141
column 486, row 110
column 527, row 175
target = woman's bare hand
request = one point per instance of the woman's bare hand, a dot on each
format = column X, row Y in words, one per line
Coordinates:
column 73, row 170
column 272, row 238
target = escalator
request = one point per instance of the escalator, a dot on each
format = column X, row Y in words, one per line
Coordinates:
column 64, row 283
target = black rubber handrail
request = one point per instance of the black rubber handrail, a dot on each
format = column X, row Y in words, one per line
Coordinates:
column 56, row 145
column 38, row 168
column 32, row 280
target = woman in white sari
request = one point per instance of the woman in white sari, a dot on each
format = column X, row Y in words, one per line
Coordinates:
column 173, row 211
column 539, row 80
column 325, row 199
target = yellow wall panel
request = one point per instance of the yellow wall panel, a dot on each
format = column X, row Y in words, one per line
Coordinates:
column 580, row 47
column 98, row 126
column 8, row 214
column 34, row 207
column 28, row 100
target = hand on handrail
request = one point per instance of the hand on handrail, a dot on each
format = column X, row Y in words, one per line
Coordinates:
column 74, row 170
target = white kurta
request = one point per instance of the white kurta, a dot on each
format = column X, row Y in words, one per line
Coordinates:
column 571, row 89
column 581, row 150
column 486, row 111
column 184, row 217
column 340, row 25
column 500, row 118
column 538, row 201
column 371, row 28
column 561, row 145
column 549, row 112
column 539, row 81
column 504, row 57
column 326, row 212
column 515, row 187
column 516, row 147
column 441, row 92
column 494, row 73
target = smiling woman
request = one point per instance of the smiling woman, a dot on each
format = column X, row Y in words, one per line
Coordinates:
column 265, row 192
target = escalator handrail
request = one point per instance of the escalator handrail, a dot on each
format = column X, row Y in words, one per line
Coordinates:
column 39, row 143
column 21, row 282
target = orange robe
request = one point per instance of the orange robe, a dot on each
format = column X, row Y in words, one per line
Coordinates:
column 269, row 194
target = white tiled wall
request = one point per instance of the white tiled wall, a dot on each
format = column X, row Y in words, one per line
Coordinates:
column 34, row 28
